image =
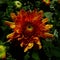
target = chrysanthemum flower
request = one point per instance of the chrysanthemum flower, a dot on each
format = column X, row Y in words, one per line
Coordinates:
column 46, row 2
column 28, row 27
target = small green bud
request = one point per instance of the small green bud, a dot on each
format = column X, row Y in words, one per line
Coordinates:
column 17, row 4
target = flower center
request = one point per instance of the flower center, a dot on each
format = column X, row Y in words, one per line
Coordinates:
column 29, row 28
column 18, row 3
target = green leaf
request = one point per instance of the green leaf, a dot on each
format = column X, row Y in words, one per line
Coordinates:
column 56, row 33
column 26, row 57
column 50, row 49
column 56, row 52
column 35, row 56
column 10, row 58
column 1, row 1
column 48, row 15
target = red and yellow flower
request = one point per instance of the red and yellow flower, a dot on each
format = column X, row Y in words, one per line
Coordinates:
column 28, row 27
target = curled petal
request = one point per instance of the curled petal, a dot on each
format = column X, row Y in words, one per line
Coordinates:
column 17, row 30
column 13, row 16
column 10, row 36
column 39, row 44
column 48, row 26
column 11, row 24
column 20, row 38
column 38, row 15
column 30, row 45
column 37, row 41
column 41, row 13
column 21, row 13
column 45, row 20
column 22, row 44
column 36, row 18
column 48, row 35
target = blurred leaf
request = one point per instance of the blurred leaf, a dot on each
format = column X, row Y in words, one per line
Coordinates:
column 48, row 15
column 50, row 49
column 37, row 3
column 26, row 57
column 54, row 0
column 25, row 7
column 47, row 45
column 55, row 52
column 35, row 56
column 1, row 42
column 1, row 1
column 56, row 33
column 10, row 58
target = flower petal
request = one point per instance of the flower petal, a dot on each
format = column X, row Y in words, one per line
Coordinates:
column 13, row 16
column 10, row 24
column 45, row 20
column 10, row 36
column 37, row 41
column 48, row 35
column 48, row 26
column 30, row 45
